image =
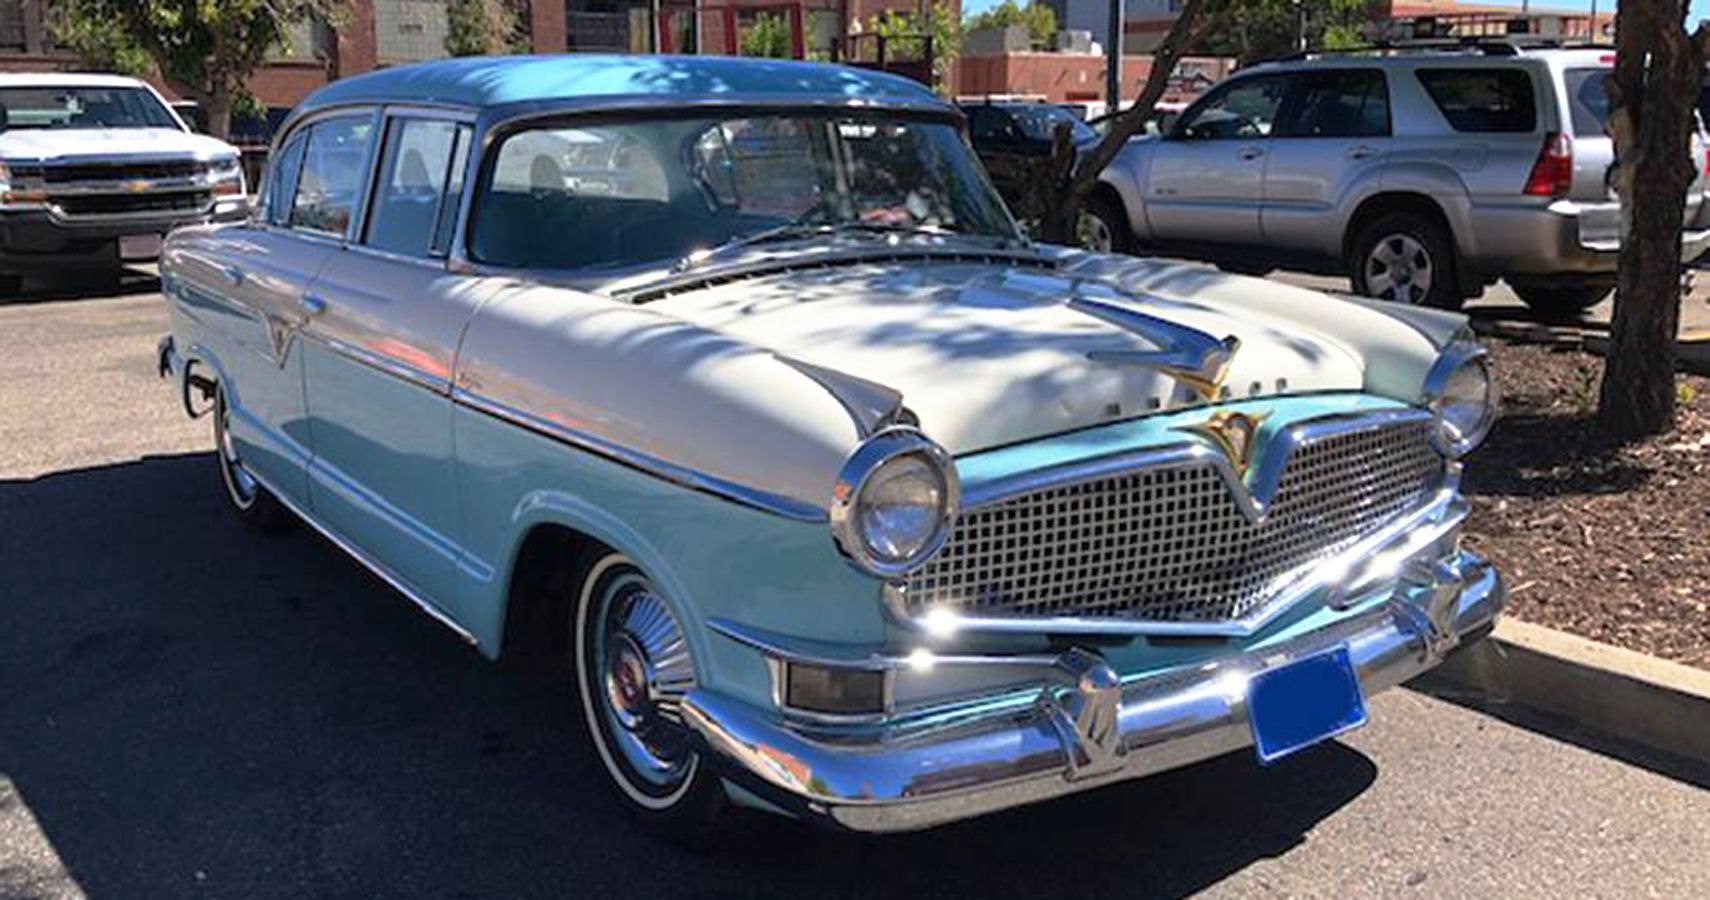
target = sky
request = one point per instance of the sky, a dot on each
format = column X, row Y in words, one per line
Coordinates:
column 1700, row 9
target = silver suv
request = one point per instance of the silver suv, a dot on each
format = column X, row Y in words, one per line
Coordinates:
column 1421, row 173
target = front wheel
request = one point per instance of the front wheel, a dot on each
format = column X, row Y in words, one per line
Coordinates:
column 633, row 668
column 1102, row 227
column 253, row 503
column 1405, row 258
column 1562, row 300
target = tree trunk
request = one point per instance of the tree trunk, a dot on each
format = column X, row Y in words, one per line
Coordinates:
column 217, row 109
column 1651, row 94
column 1075, row 182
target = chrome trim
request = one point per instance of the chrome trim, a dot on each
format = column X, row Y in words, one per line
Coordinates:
column 379, row 362
column 817, row 653
column 996, row 753
column 397, row 582
column 870, row 405
column 765, row 501
column 1461, row 351
column 863, row 462
column 1188, row 355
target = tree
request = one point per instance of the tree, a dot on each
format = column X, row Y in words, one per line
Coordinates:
column 769, row 35
column 1260, row 29
column 902, row 32
column 205, row 48
column 483, row 27
column 100, row 43
column 1077, row 174
column 1039, row 19
column 1651, row 92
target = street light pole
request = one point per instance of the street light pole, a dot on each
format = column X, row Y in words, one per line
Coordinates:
column 1113, row 59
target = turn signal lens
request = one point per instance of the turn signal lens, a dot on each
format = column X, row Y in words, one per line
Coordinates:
column 1552, row 174
column 837, row 691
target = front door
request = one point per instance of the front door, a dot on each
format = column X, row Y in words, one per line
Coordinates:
column 1330, row 145
column 379, row 359
column 1207, row 176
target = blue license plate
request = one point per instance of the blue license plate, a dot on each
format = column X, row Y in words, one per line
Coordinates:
column 1306, row 701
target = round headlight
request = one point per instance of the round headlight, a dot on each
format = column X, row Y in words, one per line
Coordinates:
column 894, row 501
column 1462, row 393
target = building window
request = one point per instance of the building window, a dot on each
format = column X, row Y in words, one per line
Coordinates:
column 407, row 31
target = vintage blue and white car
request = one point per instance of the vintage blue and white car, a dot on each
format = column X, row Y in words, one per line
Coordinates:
column 734, row 383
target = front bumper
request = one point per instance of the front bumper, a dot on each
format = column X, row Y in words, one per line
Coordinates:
column 35, row 238
column 1092, row 730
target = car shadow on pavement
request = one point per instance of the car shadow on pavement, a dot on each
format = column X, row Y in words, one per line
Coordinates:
column 190, row 707
column 115, row 283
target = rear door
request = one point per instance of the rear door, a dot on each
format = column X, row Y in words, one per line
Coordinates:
column 1333, row 136
column 1206, row 181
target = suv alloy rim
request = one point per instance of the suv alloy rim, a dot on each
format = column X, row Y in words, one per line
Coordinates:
column 1094, row 234
column 1399, row 268
column 635, row 670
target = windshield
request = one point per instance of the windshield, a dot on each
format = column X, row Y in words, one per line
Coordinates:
column 622, row 194
column 1587, row 100
column 82, row 107
column 1040, row 121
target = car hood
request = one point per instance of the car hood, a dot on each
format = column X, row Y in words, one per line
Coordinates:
column 988, row 355
column 51, row 144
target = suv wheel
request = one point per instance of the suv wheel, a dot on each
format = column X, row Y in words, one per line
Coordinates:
column 632, row 669
column 1102, row 227
column 1405, row 258
column 1562, row 299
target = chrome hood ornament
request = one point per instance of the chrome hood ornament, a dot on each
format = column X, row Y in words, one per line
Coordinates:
column 1188, row 355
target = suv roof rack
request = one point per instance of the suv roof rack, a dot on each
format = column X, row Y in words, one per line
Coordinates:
column 1512, row 45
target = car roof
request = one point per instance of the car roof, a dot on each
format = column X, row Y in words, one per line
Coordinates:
column 66, row 79
column 610, row 80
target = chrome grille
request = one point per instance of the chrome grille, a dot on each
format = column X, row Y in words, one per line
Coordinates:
column 1168, row 543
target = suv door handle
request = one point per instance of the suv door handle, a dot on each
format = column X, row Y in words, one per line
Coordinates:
column 1250, row 152
column 312, row 305
column 1360, row 152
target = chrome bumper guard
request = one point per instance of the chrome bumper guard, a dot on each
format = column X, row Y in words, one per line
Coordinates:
column 1092, row 729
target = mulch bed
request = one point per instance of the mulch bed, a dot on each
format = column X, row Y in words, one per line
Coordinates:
column 1597, row 538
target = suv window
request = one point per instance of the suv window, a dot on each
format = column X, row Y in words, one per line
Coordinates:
column 1242, row 109
column 415, row 170
column 1483, row 99
column 282, row 176
column 331, row 181
column 988, row 123
column 1588, row 104
column 1341, row 104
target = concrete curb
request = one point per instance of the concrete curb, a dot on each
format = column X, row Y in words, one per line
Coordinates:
column 1625, row 695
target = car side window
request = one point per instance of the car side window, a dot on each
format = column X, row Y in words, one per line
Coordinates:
column 1483, row 99
column 1242, row 109
column 416, row 185
column 1341, row 104
column 282, row 177
column 990, row 124
column 330, row 184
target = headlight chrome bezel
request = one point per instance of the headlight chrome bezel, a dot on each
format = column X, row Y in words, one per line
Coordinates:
column 869, row 459
column 1460, row 354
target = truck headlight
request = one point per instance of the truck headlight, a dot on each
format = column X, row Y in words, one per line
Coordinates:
column 1462, row 394
column 894, row 501
column 225, row 177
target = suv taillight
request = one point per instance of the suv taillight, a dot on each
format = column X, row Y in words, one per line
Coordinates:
column 1552, row 174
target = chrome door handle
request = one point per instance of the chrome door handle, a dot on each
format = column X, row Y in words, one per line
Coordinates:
column 233, row 274
column 312, row 305
column 1359, row 152
column 1250, row 153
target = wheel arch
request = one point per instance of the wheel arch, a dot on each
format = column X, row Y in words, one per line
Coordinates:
column 1427, row 206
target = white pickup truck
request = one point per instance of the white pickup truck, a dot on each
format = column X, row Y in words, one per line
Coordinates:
column 95, row 169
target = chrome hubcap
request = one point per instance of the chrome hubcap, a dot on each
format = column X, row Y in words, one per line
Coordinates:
column 644, row 668
column 1399, row 268
column 239, row 483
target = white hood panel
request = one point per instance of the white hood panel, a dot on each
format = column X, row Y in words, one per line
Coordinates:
column 66, row 144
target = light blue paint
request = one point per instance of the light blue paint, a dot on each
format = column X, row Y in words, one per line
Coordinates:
column 490, row 81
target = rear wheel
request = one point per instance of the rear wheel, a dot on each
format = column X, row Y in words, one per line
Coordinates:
column 1562, row 299
column 632, row 670
column 253, row 503
column 1405, row 258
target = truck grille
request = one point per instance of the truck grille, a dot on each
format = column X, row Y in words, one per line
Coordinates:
column 72, row 173
column 1168, row 543
column 118, row 204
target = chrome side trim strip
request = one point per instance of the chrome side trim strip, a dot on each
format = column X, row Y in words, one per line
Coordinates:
column 398, row 584
column 765, row 501
column 381, row 363
column 819, row 653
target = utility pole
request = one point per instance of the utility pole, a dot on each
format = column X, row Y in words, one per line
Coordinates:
column 1113, row 59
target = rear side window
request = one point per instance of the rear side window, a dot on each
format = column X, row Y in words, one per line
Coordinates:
column 1588, row 103
column 1483, row 100
column 1341, row 104
column 413, row 190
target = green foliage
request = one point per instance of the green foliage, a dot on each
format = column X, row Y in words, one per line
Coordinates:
column 100, row 43
column 483, row 27
column 1260, row 29
column 1040, row 20
column 903, row 31
column 768, row 35
column 207, row 48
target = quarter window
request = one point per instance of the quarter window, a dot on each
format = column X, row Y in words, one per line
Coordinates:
column 331, row 181
column 416, row 185
column 1244, row 109
column 282, row 176
column 1341, row 104
column 1483, row 99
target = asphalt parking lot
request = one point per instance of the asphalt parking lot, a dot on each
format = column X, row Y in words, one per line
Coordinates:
column 189, row 709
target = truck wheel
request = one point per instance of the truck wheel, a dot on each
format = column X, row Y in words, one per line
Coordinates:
column 1562, row 300
column 1405, row 258
column 254, row 504
column 1102, row 227
column 632, row 669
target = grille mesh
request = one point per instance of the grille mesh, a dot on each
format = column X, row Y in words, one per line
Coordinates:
column 1168, row 543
